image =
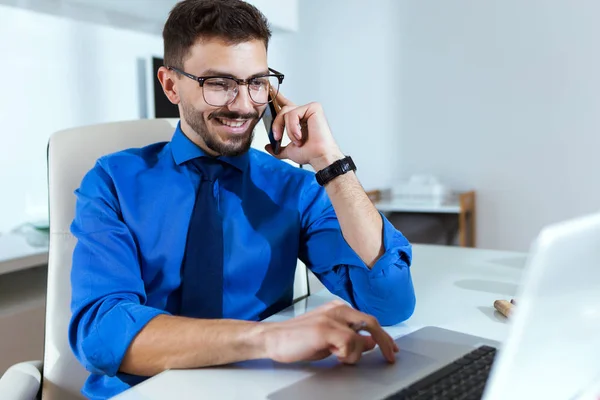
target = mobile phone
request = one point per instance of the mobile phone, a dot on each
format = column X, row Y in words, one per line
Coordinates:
column 269, row 115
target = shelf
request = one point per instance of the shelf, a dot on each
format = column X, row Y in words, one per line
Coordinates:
column 399, row 206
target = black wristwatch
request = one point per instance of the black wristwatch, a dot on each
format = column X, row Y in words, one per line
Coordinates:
column 340, row 167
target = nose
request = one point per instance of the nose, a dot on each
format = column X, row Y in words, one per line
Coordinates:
column 242, row 103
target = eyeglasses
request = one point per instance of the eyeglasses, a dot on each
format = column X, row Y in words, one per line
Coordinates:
column 220, row 91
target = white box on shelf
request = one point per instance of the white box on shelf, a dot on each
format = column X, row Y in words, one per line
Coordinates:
column 421, row 189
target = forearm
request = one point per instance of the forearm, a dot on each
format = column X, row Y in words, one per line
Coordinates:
column 359, row 220
column 169, row 342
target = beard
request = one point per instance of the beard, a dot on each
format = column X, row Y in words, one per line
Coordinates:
column 235, row 146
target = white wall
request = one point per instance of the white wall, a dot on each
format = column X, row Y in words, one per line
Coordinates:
column 282, row 14
column 59, row 73
column 147, row 15
column 504, row 97
column 347, row 57
column 501, row 97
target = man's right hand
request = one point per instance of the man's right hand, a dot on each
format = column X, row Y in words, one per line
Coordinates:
column 171, row 342
column 329, row 329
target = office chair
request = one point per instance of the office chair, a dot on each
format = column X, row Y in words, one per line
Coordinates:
column 71, row 154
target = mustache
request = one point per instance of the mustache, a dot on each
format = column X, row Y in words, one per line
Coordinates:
column 232, row 115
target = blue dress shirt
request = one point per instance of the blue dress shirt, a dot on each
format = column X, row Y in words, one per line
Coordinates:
column 132, row 214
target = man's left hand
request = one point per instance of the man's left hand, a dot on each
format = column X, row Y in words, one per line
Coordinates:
column 311, row 139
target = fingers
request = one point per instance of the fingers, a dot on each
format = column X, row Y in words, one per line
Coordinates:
column 269, row 149
column 381, row 337
column 348, row 345
column 290, row 119
column 279, row 122
column 319, row 355
column 281, row 155
column 369, row 343
column 292, row 123
column 283, row 151
column 350, row 316
column 327, row 330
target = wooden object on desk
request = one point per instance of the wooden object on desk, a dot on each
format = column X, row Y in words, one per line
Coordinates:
column 466, row 219
column 504, row 307
column 464, row 207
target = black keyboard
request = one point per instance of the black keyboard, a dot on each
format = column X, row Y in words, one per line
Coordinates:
column 463, row 379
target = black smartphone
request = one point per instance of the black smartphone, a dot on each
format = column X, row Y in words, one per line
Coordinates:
column 268, row 118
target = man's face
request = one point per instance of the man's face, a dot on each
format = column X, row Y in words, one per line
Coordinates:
column 226, row 130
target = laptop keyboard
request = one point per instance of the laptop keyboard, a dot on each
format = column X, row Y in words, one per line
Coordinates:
column 463, row 379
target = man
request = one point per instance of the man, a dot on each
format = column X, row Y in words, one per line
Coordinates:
column 184, row 246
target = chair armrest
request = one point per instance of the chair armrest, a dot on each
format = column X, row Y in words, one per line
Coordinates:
column 21, row 381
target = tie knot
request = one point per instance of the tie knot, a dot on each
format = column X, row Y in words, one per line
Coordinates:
column 209, row 168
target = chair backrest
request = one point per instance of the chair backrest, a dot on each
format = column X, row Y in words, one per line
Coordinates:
column 71, row 154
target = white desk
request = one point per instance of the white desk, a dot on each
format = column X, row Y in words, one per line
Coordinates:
column 455, row 288
column 17, row 254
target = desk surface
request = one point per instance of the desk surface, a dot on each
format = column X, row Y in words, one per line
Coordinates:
column 17, row 254
column 455, row 287
column 403, row 206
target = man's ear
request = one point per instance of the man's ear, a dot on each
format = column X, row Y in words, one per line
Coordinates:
column 168, row 81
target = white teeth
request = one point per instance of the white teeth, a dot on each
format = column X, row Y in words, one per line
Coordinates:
column 233, row 124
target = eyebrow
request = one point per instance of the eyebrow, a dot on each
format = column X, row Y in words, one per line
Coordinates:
column 216, row 72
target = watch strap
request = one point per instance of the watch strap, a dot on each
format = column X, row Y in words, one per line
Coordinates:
column 340, row 167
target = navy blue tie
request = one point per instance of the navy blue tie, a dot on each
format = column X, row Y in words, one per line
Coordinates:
column 202, row 269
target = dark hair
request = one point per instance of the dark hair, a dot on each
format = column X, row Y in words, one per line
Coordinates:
column 233, row 21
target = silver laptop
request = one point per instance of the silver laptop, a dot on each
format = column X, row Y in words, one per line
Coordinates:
column 553, row 347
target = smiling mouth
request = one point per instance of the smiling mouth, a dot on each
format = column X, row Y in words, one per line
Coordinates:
column 233, row 123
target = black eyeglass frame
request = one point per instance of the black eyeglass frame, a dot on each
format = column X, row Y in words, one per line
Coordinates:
column 202, row 79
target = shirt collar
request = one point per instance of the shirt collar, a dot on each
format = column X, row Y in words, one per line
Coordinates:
column 185, row 150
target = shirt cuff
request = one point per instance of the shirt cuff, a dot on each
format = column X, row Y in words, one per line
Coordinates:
column 397, row 252
column 109, row 339
column 386, row 290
